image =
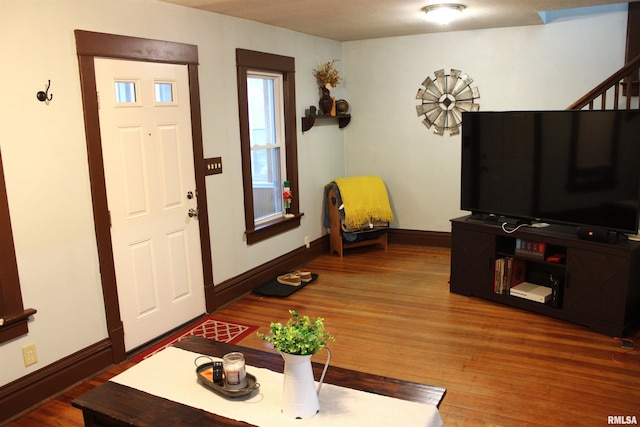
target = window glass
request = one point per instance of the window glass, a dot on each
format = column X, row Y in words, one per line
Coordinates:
column 268, row 166
column 164, row 92
column 126, row 92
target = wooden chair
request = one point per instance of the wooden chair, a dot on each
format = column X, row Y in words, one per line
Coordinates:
column 337, row 243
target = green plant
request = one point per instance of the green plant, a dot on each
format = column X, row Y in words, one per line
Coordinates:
column 299, row 335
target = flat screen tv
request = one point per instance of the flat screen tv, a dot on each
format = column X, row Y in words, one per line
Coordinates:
column 567, row 167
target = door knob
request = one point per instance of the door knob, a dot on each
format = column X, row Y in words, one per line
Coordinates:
column 189, row 195
column 193, row 213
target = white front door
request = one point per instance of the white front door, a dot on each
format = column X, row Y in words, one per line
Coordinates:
column 145, row 125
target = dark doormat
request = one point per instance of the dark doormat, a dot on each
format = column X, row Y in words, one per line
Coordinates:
column 275, row 289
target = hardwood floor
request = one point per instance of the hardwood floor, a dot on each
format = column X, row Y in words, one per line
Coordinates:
column 392, row 314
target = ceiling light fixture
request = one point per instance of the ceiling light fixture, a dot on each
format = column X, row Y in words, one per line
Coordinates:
column 443, row 13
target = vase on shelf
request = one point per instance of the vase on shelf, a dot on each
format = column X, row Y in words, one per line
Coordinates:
column 326, row 102
column 342, row 107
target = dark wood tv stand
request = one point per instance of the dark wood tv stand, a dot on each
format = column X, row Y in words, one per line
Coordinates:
column 596, row 284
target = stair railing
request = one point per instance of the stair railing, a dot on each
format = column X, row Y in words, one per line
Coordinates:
column 622, row 83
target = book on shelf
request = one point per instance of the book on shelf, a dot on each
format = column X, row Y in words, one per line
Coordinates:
column 509, row 272
column 530, row 249
column 497, row 276
column 531, row 292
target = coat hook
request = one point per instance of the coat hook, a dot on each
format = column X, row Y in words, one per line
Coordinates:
column 44, row 96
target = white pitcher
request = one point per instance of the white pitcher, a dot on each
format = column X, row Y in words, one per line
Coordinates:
column 300, row 396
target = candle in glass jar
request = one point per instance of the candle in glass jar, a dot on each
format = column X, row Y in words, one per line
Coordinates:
column 235, row 376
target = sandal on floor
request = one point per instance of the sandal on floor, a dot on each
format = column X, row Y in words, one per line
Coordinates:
column 290, row 279
column 305, row 276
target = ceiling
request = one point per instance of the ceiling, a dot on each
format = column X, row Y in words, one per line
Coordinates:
column 346, row 20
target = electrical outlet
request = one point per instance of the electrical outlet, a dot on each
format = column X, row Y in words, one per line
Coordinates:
column 307, row 242
column 29, row 354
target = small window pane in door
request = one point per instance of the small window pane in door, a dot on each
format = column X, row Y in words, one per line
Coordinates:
column 126, row 92
column 164, row 92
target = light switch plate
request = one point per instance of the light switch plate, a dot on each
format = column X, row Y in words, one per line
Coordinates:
column 213, row 166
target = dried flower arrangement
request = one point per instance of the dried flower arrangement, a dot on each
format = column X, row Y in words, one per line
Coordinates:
column 326, row 75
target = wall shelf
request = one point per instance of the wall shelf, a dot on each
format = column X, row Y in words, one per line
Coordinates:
column 308, row 121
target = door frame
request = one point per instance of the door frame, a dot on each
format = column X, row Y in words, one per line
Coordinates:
column 90, row 45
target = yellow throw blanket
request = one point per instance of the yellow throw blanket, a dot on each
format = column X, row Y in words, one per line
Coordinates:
column 365, row 199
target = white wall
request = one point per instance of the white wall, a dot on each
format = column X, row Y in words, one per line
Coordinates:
column 535, row 67
column 44, row 154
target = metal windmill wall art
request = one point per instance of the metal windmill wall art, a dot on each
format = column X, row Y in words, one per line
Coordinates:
column 444, row 100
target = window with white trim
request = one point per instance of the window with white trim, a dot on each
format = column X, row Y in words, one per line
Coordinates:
column 266, row 103
column 266, row 134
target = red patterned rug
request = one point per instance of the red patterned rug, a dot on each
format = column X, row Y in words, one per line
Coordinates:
column 208, row 327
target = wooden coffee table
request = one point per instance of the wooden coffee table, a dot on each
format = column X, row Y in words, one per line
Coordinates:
column 112, row 404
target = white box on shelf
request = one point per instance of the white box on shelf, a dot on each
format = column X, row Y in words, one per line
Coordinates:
column 531, row 292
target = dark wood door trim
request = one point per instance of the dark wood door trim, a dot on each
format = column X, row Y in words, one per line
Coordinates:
column 90, row 45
